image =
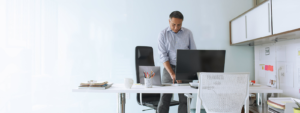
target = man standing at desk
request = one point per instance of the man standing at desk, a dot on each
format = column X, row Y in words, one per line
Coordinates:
column 169, row 40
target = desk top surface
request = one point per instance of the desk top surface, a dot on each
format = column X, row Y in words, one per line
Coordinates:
column 120, row 88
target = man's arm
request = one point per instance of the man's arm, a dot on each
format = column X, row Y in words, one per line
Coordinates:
column 192, row 45
column 170, row 70
column 164, row 58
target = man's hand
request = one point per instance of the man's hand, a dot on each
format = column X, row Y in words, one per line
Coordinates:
column 173, row 76
column 179, row 81
column 170, row 70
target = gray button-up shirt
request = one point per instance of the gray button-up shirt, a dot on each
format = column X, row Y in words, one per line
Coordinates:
column 169, row 42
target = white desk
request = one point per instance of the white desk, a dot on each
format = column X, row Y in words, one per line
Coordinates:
column 120, row 89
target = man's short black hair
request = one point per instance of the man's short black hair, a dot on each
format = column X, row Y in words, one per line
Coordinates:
column 176, row 14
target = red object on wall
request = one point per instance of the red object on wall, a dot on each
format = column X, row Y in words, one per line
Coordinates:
column 271, row 69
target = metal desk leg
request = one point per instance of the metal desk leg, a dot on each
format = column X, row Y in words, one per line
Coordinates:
column 258, row 96
column 188, row 105
column 121, row 102
column 246, row 106
column 264, row 103
column 198, row 104
column 188, row 97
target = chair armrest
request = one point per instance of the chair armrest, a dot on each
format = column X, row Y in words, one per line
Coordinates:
column 188, row 95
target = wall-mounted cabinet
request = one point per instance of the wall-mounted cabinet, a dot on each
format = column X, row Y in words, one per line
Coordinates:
column 259, row 21
column 286, row 15
column 266, row 22
column 238, row 31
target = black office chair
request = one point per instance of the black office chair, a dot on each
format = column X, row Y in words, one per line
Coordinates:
column 144, row 57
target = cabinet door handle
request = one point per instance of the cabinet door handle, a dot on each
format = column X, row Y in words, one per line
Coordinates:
column 246, row 26
column 269, row 17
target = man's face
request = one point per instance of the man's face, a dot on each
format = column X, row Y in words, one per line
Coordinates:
column 175, row 24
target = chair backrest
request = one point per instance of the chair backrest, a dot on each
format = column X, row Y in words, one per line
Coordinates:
column 144, row 57
column 223, row 92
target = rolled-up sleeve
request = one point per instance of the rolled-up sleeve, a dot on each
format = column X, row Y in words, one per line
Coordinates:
column 192, row 45
column 162, row 50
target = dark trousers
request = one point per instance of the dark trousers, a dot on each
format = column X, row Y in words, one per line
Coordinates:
column 165, row 100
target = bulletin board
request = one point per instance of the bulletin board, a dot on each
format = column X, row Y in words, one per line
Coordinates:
column 265, row 64
column 278, row 65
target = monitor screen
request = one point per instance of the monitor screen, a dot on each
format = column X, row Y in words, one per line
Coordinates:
column 189, row 62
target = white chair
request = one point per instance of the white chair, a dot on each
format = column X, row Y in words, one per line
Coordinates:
column 223, row 92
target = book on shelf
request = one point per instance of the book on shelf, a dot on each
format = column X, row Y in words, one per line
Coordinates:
column 275, row 105
column 281, row 102
column 272, row 109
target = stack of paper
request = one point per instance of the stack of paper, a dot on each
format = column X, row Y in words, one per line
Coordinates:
column 95, row 85
column 280, row 102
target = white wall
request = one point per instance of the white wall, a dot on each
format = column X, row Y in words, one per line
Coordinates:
column 49, row 47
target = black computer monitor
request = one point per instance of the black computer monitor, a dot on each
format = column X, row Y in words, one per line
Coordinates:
column 189, row 62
